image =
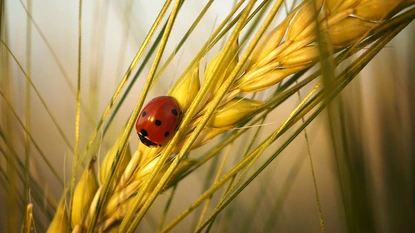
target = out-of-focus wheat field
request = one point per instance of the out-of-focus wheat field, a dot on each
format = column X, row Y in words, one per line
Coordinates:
column 362, row 146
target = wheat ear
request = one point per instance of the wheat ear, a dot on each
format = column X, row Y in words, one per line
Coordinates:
column 290, row 47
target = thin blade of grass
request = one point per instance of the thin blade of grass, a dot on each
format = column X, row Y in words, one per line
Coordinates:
column 313, row 175
column 26, row 183
column 77, row 114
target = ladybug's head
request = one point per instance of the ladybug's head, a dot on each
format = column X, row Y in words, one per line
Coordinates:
column 146, row 141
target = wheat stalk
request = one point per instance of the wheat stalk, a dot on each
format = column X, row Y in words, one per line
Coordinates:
column 129, row 182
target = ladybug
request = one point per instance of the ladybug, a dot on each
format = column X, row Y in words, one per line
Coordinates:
column 158, row 121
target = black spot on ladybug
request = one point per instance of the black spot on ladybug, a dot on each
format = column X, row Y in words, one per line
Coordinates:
column 144, row 114
column 158, row 122
column 144, row 132
column 174, row 111
column 166, row 134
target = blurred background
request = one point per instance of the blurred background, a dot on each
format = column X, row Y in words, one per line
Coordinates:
column 362, row 147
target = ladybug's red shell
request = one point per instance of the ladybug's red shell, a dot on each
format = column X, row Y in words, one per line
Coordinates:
column 158, row 121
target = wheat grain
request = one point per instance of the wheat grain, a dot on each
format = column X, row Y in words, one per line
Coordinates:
column 83, row 195
column 60, row 222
